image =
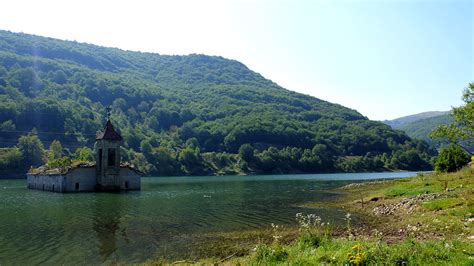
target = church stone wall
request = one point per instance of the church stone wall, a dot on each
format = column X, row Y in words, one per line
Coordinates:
column 76, row 180
column 129, row 179
column 46, row 182
column 81, row 179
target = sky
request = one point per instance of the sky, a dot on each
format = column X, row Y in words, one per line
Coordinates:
column 384, row 58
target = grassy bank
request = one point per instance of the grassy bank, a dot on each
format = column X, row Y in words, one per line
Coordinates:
column 427, row 219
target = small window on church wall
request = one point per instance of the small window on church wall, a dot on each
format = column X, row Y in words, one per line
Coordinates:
column 111, row 157
column 100, row 158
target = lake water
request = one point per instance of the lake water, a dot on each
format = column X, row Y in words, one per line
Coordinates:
column 158, row 221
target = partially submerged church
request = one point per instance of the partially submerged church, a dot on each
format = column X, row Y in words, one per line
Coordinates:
column 107, row 173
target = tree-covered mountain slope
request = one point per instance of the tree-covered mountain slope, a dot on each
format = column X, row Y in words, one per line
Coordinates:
column 192, row 114
column 405, row 120
column 421, row 129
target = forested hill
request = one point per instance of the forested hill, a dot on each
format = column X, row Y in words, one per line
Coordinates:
column 421, row 129
column 192, row 114
column 402, row 121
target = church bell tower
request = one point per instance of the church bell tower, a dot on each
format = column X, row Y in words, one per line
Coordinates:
column 107, row 153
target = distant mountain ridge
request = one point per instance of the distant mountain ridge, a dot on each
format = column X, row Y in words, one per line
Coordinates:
column 401, row 121
column 421, row 129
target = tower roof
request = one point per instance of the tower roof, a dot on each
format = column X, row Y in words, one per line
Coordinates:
column 109, row 133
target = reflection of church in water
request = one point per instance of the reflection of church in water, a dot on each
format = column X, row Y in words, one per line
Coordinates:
column 106, row 224
column 107, row 173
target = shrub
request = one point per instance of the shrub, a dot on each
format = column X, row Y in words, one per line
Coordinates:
column 310, row 239
column 451, row 159
column 61, row 162
column 274, row 253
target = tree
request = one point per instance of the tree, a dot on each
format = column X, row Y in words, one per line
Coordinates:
column 32, row 149
column 164, row 161
column 146, row 147
column 325, row 157
column 10, row 159
column 246, row 152
column 316, row 159
column 190, row 159
column 192, row 143
column 55, row 150
column 140, row 161
column 451, row 159
column 59, row 77
column 269, row 159
column 463, row 127
column 83, row 154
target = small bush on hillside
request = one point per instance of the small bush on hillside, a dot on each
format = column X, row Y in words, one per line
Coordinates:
column 451, row 159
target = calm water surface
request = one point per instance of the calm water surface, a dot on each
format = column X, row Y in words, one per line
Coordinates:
column 159, row 221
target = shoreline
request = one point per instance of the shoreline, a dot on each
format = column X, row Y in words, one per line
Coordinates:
column 427, row 218
column 22, row 176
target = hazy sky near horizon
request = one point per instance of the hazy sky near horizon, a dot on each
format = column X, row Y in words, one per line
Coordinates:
column 386, row 58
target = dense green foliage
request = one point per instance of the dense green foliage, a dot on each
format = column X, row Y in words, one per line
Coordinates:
column 10, row 158
column 31, row 150
column 186, row 114
column 451, row 159
column 461, row 131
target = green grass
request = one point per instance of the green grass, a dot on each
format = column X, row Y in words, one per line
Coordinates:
column 443, row 204
column 411, row 189
column 363, row 252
